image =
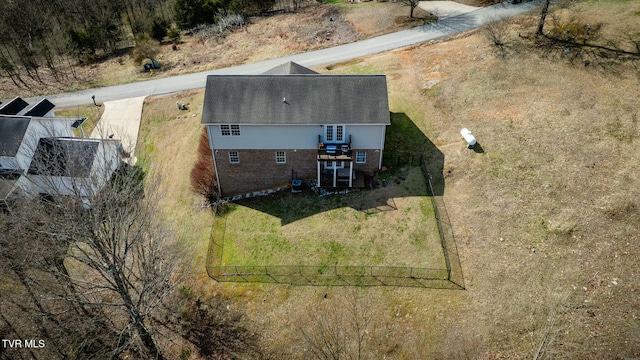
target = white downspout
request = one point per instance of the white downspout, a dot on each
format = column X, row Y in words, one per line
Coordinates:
column 215, row 166
column 381, row 147
column 335, row 173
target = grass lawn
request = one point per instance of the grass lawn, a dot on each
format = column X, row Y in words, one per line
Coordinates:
column 392, row 226
column 91, row 112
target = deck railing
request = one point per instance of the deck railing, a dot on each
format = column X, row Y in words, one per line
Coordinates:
column 334, row 150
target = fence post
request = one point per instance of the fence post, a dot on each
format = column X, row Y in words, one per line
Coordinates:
column 302, row 276
column 266, row 271
column 238, row 273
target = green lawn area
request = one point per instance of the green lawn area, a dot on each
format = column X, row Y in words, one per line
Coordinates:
column 389, row 226
column 91, row 112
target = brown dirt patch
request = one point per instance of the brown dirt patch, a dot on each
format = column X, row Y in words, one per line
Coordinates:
column 376, row 18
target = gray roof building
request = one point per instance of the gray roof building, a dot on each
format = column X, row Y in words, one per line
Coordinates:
column 14, row 106
column 64, row 157
column 273, row 99
column 12, row 131
column 40, row 154
column 290, row 68
column 41, row 108
column 291, row 122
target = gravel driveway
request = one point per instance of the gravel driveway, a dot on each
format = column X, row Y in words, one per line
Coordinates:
column 445, row 9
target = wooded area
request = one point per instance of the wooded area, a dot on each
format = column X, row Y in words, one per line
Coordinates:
column 46, row 36
column 105, row 280
column 55, row 35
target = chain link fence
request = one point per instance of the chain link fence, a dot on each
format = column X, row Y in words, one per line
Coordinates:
column 328, row 275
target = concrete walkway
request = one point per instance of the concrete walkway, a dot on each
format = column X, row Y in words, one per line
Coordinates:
column 121, row 120
column 445, row 9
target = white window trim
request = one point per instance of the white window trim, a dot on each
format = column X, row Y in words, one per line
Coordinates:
column 334, row 164
column 332, row 130
column 364, row 159
column 230, row 129
column 284, row 156
column 236, row 155
column 328, row 132
column 339, row 139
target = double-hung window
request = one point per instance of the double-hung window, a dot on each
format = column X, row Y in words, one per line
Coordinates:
column 281, row 157
column 234, row 157
column 361, row 157
column 230, row 130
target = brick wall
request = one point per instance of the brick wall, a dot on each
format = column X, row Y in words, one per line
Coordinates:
column 371, row 164
column 258, row 170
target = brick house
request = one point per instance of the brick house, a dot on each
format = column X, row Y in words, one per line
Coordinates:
column 292, row 120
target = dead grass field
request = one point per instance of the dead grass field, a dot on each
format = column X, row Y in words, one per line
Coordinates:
column 167, row 145
column 375, row 18
column 546, row 219
column 91, row 113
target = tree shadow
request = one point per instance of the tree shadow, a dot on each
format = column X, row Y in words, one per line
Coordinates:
column 451, row 24
column 407, row 148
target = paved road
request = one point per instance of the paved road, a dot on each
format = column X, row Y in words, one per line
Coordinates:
column 449, row 26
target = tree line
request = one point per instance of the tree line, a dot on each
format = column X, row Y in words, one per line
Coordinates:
column 44, row 39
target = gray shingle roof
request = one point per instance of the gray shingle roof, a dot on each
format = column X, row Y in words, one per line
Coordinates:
column 41, row 108
column 289, row 68
column 63, row 157
column 296, row 99
column 14, row 106
column 12, row 130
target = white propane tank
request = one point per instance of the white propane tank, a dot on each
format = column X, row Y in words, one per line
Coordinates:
column 468, row 137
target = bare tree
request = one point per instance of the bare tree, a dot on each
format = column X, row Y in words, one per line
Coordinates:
column 216, row 328
column 339, row 328
column 570, row 36
column 98, row 262
column 203, row 174
column 543, row 17
column 89, row 266
column 413, row 4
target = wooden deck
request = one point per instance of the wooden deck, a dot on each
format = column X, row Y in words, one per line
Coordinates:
column 326, row 181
